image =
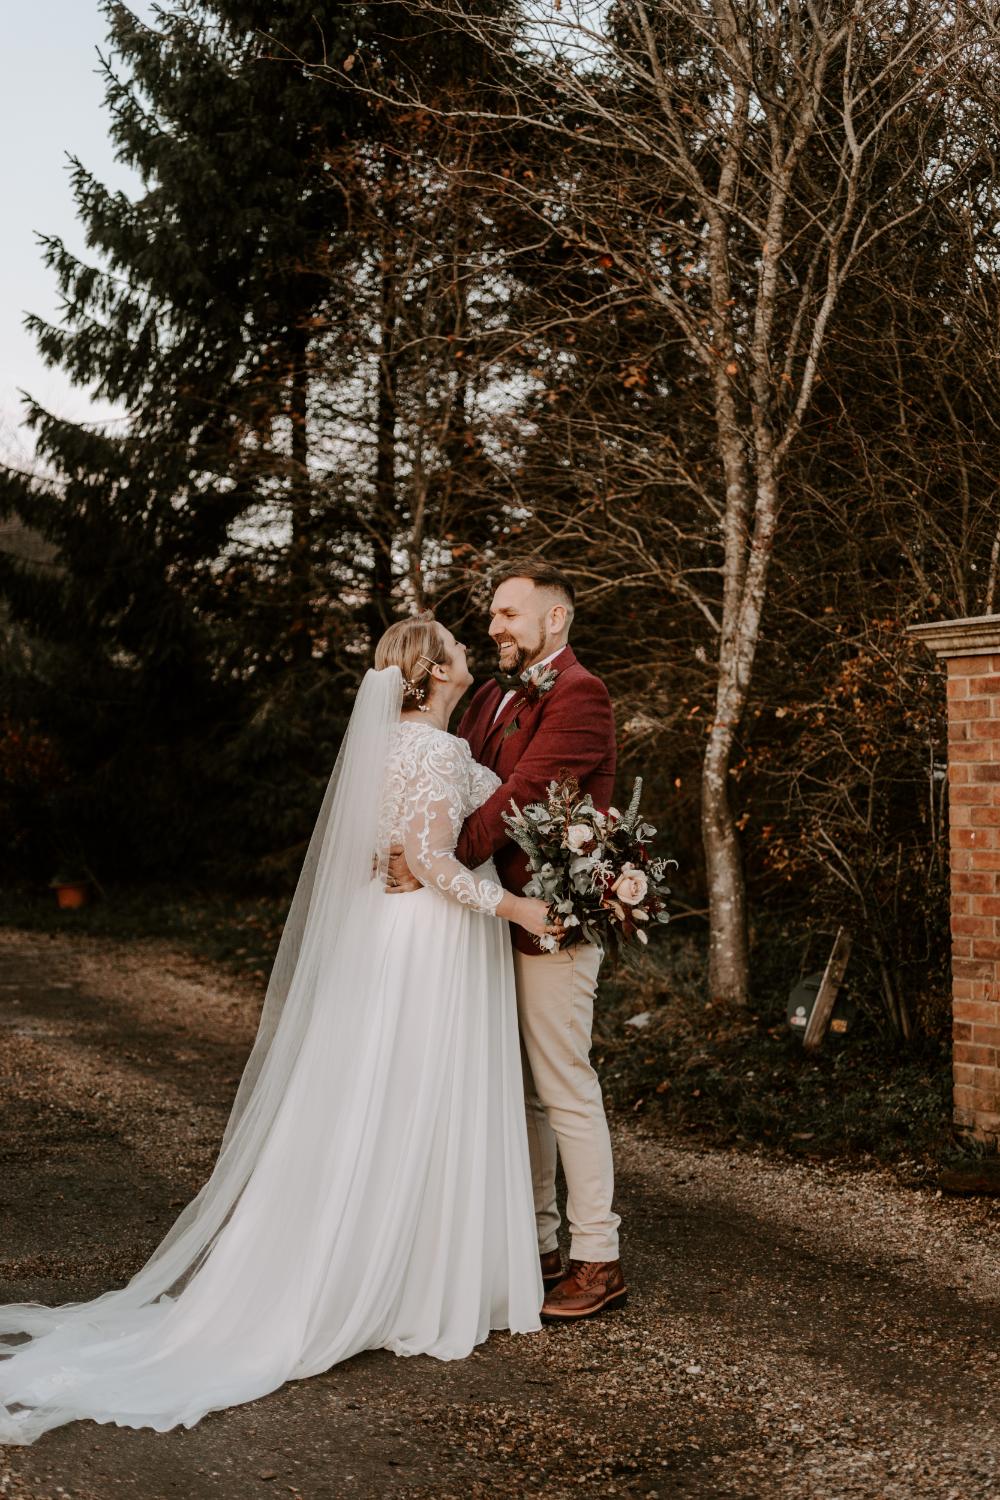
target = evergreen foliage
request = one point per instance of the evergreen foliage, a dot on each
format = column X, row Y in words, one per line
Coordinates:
column 199, row 551
column 282, row 312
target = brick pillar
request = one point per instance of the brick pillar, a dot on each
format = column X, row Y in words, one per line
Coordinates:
column 971, row 650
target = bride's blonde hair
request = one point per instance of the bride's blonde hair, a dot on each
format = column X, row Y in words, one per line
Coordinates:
column 414, row 646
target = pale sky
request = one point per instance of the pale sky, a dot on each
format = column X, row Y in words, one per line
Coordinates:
column 50, row 102
column 51, row 93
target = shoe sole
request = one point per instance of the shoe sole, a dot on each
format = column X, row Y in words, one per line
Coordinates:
column 617, row 1299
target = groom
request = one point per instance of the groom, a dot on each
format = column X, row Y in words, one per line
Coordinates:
column 545, row 717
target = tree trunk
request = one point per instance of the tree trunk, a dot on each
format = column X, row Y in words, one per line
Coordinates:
column 385, row 463
column 728, row 955
column 728, row 974
column 383, row 530
column 301, row 563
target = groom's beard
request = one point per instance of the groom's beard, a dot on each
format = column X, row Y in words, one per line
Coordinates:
column 516, row 663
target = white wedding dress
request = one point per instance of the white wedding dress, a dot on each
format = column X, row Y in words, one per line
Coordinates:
column 373, row 1190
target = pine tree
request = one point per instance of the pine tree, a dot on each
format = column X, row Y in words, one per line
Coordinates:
column 201, row 513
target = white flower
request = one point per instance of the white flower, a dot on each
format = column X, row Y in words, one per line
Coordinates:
column 548, row 943
column 579, row 834
column 631, row 885
column 540, row 678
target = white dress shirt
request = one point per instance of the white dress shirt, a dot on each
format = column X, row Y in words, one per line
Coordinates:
column 512, row 691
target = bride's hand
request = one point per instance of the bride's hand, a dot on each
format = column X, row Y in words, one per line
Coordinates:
column 533, row 915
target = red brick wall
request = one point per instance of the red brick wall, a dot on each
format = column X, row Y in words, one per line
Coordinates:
column 974, row 797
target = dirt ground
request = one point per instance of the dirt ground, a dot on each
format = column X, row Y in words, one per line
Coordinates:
column 795, row 1329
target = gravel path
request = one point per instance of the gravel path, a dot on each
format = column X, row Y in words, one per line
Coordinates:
column 795, row 1330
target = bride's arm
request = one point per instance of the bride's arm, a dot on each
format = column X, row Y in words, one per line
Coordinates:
column 429, row 836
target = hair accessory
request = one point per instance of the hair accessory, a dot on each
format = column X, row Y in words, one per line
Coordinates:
column 417, row 690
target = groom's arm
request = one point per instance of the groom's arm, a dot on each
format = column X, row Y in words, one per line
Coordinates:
column 575, row 736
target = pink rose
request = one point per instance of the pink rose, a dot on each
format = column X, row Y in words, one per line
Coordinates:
column 631, row 886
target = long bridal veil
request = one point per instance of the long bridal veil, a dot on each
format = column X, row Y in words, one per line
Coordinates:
column 325, row 932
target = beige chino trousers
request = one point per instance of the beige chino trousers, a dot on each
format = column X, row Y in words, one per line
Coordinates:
column 562, row 1096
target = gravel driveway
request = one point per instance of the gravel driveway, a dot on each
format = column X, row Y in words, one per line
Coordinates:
column 795, row 1329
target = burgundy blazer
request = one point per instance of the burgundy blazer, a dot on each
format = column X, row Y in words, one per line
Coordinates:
column 570, row 730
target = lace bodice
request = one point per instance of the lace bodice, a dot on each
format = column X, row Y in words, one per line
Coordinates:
column 432, row 785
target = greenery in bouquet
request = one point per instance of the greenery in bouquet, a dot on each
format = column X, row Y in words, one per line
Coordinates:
column 595, row 869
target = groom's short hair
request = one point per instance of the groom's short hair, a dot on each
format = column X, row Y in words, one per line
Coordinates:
column 543, row 574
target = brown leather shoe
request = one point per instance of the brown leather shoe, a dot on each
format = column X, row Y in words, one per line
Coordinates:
column 588, row 1287
column 552, row 1268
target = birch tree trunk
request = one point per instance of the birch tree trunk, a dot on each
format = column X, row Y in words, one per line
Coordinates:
column 302, row 518
column 382, row 531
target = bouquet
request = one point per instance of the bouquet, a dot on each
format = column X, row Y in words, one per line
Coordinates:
column 594, row 869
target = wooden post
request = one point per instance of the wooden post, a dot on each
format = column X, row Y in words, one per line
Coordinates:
column 826, row 995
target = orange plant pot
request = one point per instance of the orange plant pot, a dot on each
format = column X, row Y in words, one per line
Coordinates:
column 70, row 896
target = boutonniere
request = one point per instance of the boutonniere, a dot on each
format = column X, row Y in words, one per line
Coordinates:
column 535, row 683
column 538, row 681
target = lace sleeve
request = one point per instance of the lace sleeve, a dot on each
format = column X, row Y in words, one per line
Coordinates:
column 432, row 819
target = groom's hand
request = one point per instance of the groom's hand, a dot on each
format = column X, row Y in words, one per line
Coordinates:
column 399, row 880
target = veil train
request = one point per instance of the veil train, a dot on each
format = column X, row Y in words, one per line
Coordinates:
column 117, row 1357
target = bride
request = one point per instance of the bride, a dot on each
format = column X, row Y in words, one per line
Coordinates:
column 372, row 1190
